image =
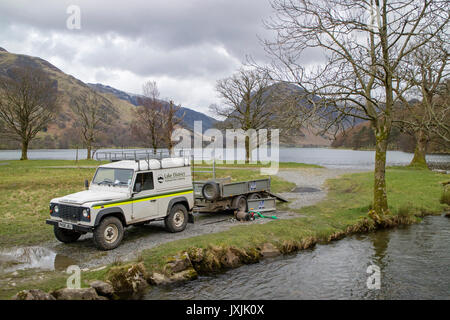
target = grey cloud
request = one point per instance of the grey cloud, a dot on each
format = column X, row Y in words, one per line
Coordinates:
column 176, row 39
column 166, row 24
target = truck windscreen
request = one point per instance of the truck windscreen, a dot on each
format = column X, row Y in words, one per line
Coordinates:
column 115, row 177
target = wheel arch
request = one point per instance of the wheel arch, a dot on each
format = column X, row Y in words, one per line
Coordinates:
column 108, row 212
column 178, row 200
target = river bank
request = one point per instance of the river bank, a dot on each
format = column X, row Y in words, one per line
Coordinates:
column 409, row 269
column 412, row 193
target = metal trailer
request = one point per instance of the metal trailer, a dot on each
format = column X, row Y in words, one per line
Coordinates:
column 222, row 194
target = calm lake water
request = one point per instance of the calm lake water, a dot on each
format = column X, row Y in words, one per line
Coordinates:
column 414, row 263
column 331, row 158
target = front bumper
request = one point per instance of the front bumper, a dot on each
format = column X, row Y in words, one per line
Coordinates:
column 76, row 227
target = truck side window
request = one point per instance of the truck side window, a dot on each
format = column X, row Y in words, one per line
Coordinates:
column 146, row 181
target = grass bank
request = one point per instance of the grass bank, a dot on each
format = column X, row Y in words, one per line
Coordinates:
column 26, row 187
column 412, row 194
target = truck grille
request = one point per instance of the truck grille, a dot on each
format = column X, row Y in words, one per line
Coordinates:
column 70, row 213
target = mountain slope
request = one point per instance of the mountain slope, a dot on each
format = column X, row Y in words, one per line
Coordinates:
column 189, row 115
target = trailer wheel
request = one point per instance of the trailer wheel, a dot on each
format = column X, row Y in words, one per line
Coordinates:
column 239, row 203
column 211, row 191
column 66, row 236
column 108, row 234
column 177, row 219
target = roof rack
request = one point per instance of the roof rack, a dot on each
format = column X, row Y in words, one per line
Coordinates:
column 140, row 154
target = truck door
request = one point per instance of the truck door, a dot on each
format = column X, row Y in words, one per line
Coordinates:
column 143, row 204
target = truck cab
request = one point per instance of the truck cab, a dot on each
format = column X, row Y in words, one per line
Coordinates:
column 122, row 194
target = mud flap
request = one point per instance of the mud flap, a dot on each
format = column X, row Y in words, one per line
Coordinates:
column 191, row 218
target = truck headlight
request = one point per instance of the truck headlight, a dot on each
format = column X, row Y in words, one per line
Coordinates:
column 56, row 209
column 86, row 213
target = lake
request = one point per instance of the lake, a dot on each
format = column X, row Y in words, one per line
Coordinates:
column 331, row 158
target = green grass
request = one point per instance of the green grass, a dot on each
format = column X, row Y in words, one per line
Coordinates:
column 411, row 192
column 25, row 191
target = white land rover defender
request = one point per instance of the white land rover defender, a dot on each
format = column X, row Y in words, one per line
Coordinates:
column 125, row 193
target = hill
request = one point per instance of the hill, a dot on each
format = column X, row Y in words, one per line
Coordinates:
column 62, row 133
column 361, row 136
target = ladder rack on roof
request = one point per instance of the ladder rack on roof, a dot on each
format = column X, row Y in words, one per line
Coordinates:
column 140, row 154
column 147, row 155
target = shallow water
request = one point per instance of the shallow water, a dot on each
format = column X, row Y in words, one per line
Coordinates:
column 414, row 262
column 32, row 258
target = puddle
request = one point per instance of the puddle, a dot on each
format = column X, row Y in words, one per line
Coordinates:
column 33, row 258
column 305, row 190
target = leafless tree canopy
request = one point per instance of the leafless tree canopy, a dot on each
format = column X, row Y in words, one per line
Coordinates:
column 170, row 122
column 154, row 120
column 148, row 123
column 245, row 96
column 28, row 103
column 365, row 44
column 92, row 112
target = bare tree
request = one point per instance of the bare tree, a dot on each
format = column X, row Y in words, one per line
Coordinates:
column 245, row 95
column 28, row 103
column 425, row 70
column 92, row 112
column 364, row 44
column 148, row 120
column 170, row 122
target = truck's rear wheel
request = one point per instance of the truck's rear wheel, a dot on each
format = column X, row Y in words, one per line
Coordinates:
column 108, row 234
column 177, row 219
column 66, row 236
column 240, row 203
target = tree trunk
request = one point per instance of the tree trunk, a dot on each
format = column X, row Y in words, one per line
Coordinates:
column 89, row 148
column 420, row 150
column 247, row 150
column 170, row 147
column 380, row 204
column 154, row 144
column 24, row 150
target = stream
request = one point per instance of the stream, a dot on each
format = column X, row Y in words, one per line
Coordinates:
column 414, row 263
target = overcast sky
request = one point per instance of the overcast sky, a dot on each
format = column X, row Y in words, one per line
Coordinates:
column 184, row 45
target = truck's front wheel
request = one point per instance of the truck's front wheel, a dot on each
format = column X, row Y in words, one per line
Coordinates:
column 177, row 219
column 66, row 236
column 108, row 234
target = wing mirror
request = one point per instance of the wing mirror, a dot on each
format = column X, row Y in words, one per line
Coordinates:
column 86, row 184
